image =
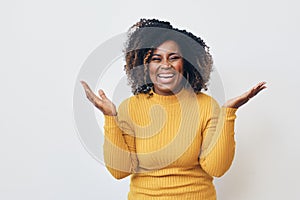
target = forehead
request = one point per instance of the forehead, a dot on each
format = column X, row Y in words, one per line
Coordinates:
column 168, row 46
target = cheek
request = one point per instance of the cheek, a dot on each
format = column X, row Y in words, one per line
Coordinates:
column 152, row 69
column 179, row 67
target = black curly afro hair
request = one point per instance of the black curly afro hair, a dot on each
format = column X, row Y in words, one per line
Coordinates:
column 146, row 35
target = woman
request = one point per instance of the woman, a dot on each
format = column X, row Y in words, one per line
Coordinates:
column 170, row 137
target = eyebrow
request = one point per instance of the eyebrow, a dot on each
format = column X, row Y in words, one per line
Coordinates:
column 173, row 53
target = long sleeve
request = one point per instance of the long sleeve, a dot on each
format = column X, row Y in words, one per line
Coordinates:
column 218, row 144
column 169, row 132
column 119, row 144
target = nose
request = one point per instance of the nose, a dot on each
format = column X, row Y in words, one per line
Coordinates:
column 165, row 64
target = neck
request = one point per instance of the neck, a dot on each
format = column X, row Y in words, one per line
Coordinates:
column 167, row 92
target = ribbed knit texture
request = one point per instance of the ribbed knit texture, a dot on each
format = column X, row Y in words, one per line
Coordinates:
column 172, row 146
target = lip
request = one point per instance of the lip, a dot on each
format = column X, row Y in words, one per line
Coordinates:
column 166, row 78
column 165, row 75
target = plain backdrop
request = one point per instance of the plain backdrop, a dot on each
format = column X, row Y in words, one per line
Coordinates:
column 43, row 45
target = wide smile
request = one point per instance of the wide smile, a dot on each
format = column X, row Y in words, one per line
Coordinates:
column 166, row 76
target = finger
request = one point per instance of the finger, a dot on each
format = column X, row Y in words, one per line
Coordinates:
column 260, row 84
column 90, row 94
column 259, row 89
column 87, row 89
column 102, row 94
column 84, row 85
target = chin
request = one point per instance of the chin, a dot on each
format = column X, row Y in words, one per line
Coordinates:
column 170, row 89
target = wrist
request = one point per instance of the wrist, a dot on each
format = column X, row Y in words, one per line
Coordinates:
column 112, row 114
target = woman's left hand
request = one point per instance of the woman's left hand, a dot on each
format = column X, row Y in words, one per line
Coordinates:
column 244, row 98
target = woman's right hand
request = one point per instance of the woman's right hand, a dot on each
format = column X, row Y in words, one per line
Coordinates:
column 102, row 103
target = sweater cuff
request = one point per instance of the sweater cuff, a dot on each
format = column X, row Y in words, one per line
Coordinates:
column 229, row 112
column 110, row 121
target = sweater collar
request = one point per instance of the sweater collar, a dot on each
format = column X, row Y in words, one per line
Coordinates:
column 183, row 94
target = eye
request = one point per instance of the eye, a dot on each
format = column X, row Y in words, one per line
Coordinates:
column 174, row 57
column 155, row 59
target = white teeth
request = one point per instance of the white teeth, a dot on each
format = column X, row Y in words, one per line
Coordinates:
column 165, row 75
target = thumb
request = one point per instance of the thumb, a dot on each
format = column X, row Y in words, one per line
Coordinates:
column 102, row 94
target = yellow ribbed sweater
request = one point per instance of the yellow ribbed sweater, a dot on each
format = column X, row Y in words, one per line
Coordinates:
column 172, row 146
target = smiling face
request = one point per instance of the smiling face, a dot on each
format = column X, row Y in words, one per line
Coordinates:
column 166, row 68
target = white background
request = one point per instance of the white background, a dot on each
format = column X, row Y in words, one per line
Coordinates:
column 43, row 45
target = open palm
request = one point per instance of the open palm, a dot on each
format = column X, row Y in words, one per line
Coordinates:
column 244, row 98
column 102, row 102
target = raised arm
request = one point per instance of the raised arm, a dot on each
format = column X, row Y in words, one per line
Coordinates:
column 119, row 147
column 218, row 146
